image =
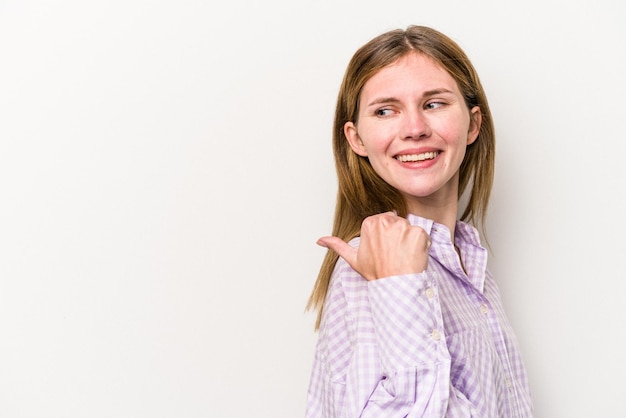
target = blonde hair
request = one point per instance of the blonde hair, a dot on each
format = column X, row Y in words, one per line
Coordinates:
column 361, row 191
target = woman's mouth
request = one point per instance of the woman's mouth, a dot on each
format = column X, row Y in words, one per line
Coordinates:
column 406, row 158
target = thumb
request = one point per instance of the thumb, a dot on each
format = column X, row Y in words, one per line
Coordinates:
column 339, row 246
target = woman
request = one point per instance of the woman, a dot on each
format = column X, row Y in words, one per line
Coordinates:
column 410, row 320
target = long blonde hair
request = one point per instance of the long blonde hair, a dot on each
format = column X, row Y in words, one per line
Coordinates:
column 361, row 192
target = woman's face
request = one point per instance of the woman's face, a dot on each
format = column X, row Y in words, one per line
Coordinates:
column 414, row 127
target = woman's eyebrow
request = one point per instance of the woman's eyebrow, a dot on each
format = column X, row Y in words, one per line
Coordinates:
column 383, row 100
column 435, row 92
column 427, row 93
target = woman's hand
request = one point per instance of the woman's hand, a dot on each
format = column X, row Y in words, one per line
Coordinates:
column 390, row 246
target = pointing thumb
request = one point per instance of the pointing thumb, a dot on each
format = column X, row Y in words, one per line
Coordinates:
column 339, row 246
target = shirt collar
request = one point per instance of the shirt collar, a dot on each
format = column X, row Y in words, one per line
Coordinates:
column 467, row 240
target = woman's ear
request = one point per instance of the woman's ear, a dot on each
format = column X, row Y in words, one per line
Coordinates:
column 349, row 130
column 476, row 118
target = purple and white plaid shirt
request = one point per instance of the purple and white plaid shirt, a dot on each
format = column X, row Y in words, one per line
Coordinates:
column 432, row 344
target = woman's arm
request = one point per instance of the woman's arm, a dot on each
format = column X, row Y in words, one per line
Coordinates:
column 381, row 350
column 377, row 354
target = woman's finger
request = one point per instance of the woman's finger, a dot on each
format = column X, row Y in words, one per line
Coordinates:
column 342, row 248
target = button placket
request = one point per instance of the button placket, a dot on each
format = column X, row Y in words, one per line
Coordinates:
column 435, row 335
column 430, row 293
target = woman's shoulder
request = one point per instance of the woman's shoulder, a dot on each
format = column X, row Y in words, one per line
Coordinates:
column 344, row 275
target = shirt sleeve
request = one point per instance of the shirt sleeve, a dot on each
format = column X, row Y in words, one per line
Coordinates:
column 414, row 360
column 381, row 350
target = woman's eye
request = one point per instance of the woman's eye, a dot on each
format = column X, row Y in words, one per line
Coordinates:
column 384, row 112
column 434, row 105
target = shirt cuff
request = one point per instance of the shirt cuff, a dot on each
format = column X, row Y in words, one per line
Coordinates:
column 407, row 318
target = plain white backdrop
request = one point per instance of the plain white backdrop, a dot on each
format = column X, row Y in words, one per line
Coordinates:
column 165, row 170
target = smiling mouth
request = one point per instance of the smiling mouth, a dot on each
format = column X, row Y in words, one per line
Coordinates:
column 417, row 157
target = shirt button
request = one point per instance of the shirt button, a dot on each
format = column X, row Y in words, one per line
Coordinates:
column 429, row 293
column 436, row 335
column 509, row 384
column 484, row 309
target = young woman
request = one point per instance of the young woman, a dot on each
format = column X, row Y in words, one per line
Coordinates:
column 410, row 319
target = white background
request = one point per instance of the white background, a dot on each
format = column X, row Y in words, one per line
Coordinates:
column 165, row 170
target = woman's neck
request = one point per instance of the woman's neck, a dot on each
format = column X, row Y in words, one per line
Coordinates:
column 445, row 214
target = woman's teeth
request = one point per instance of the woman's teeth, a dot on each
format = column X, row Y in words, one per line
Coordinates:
column 417, row 157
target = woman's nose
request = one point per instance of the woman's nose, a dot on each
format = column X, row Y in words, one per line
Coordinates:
column 415, row 126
